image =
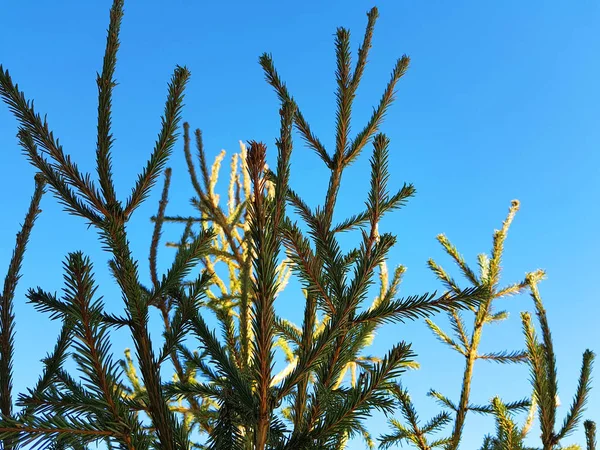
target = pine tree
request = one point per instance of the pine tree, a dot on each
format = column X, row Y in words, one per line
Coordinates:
column 66, row 410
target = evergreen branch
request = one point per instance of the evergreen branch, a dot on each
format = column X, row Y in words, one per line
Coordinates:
column 443, row 400
column 460, row 262
column 206, row 201
column 168, row 433
column 65, row 195
column 7, row 316
column 443, row 337
column 401, row 433
column 489, row 443
column 222, row 224
column 415, row 307
column 194, row 389
column 176, row 330
column 202, row 158
column 106, row 84
column 442, row 442
column 509, row 436
column 158, row 223
column 232, row 199
column 370, row 393
column 360, row 428
column 487, row 281
column 302, row 208
column 496, row 317
column 458, row 326
column 513, row 289
column 372, row 254
column 195, row 361
column 226, row 434
column 52, row 364
column 265, row 221
column 39, row 434
column 436, row 423
column 443, row 276
column 43, row 431
column 519, row 405
column 590, row 434
column 245, row 308
column 288, row 330
column 47, row 303
column 414, row 434
column 66, row 401
column 117, row 321
column 225, row 317
column 221, row 359
column 484, row 267
column 190, row 163
column 498, row 246
column 185, row 260
column 344, row 93
column 181, row 219
column 547, row 386
column 581, row 396
column 380, row 176
column 539, row 381
column 363, row 51
column 313, row 354
column 505, row 357
column 392, row 203
column 32, row 124
column 272, row 77
column 284, row 147
column 307, row 338
column 305, row 263
column 92, row 345
column 164, row 144
column 363, row 137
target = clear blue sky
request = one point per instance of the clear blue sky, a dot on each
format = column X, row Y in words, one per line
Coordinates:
column 501, row 102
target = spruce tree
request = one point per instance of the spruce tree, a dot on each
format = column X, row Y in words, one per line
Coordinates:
column 466, row 342
column 544, row 378
column 74, row 410
column 233, row 262
column 227, row 296
column 542, row 362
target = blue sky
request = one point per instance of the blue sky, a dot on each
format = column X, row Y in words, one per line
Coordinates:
column 500, row 102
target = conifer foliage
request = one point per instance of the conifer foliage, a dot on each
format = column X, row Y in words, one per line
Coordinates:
column 488, row 279
column 74, row 410
column 542, row 362
column 225, row 388
column 7, row 317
